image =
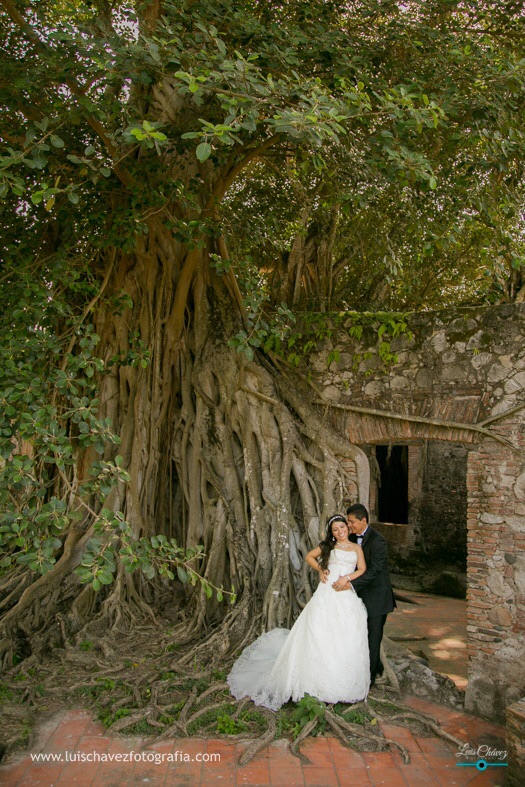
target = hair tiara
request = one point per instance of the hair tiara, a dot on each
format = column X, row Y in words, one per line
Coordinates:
column 337, row 517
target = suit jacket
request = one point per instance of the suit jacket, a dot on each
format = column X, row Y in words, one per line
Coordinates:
column 374, row 587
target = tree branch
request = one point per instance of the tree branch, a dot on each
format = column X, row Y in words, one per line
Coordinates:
column 123, row 175
column 224, row 183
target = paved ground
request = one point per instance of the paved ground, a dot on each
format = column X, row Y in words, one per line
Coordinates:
column 437, row 626
column 73, row 735
column 71, row 748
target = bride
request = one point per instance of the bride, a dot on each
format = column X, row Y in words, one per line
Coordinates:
column 326, row 652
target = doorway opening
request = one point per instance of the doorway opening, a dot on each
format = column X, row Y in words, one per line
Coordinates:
column 392, row 493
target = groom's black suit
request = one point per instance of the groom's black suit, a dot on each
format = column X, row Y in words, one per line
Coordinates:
column 375, row 590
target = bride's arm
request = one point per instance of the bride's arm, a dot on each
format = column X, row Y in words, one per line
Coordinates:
column 361, row 564
column 311, row 559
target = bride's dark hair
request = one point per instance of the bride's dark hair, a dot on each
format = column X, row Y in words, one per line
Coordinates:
column 329, row 543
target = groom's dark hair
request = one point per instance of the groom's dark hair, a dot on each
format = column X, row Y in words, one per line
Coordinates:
column 358, row 510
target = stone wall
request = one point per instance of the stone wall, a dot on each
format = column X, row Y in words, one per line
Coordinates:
column 459, row 380
column 438, row 512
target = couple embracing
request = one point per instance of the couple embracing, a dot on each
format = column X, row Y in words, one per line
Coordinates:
column 333, row 650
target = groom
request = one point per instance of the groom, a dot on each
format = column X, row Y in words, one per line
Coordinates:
column 373, row 587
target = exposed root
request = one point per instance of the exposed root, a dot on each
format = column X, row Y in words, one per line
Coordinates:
column 169, row 732
column 210, row 728
column 213, row 689
column 259, row 743
column 172, row 695
column 294, row 747
column 185, row 710
column 429, row 724
column 238, row 627
column 133, row 718
column 202, row 711
column 333, row 722
column 390, row 674
column 404, row 752
column 240, row 707
column 396, row 703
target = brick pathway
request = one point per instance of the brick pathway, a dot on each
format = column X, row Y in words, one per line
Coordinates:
column 198, row 762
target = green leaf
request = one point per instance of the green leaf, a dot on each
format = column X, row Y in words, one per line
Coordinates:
column 203, row 151
column 148, row 570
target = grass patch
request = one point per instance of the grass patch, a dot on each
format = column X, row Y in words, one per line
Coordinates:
column 208, row 718
column 201, row 684
column 386, row 707
column 5, row 693
column 141, row 728
column 109, row 718
column 357, row 716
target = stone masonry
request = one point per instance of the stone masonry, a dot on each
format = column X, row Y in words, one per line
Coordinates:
column 462, row 368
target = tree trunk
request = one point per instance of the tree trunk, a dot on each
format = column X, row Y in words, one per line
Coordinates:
column 220, row 451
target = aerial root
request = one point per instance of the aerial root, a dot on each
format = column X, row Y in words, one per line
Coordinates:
column 214, row 643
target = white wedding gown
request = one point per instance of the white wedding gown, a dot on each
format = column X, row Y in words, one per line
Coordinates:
column 325, row 654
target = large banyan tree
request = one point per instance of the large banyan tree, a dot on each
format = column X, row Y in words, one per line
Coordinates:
column 156, row 439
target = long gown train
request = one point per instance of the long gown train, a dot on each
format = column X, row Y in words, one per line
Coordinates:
column 325, row 654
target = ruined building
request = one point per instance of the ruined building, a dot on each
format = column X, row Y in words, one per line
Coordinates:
column 442, row 433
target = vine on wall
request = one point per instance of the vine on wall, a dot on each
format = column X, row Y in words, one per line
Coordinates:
column 295, row 340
